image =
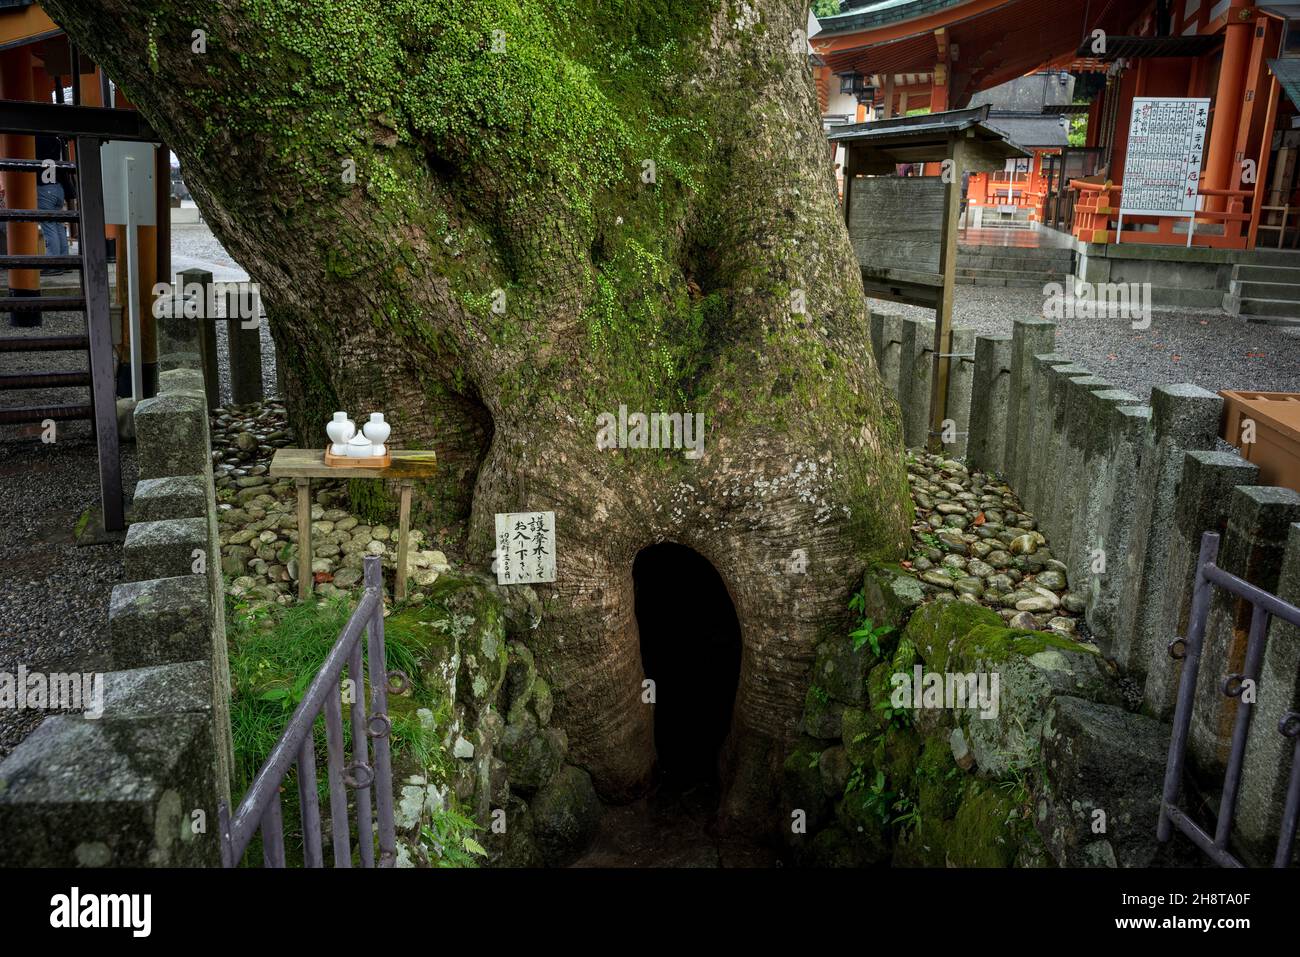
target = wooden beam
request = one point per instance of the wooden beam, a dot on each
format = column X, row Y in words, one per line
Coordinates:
column 943, row 311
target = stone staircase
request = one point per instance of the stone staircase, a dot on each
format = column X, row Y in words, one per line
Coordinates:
column 1266, row 289
column 1012, row 266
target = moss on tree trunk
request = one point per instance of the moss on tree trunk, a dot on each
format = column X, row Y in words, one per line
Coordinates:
column 498, row 219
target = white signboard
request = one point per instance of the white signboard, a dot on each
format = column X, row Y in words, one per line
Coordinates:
column 1166, row 139
column 128, row 182
column 525, row 547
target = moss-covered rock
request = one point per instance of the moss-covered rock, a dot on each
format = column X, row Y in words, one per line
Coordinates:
column 939, row 782
column 986, row 829
column 890, row 595
column 835, row 847
column 566, row 816
column 841, row 671
column 937, row 628
column 856, row 731
column 822, row 717
column 532, row 753
column 802, row 789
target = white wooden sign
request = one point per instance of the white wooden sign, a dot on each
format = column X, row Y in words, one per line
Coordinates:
column 129, row 202
column 128, row 183
column 1166, row 140
column 525, row 547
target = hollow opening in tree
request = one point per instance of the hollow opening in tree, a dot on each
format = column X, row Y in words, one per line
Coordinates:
column 690, row 648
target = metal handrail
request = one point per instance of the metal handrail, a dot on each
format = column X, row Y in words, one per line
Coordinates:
column 1265, row 607
column 260, row 807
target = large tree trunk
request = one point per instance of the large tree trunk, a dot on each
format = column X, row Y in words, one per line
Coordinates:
column 502, row 146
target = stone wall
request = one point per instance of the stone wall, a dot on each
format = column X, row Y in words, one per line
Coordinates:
column 139, row 785
column 1123, row 490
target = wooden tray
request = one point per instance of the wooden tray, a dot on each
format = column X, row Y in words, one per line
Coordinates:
column 369, row 462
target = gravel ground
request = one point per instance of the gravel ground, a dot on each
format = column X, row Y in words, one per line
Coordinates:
column 1203, row 346
column 53, row 593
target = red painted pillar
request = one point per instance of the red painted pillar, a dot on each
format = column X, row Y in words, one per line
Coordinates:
column 1219, row 156
column 20, row 188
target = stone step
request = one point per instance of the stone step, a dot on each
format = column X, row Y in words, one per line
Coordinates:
column 1272, row 320
column 991, row 272
column 1285, row 308
column 1250, row 272
column 1041, row 256
column 1277, row 291
column 1275, row 257
column 1008, row 283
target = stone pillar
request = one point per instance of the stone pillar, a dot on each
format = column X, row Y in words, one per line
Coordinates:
column 1204, row 492
column 1127, row 427
column 915, row 370
column 1184, row 418
column 1070, row 491
column 1056, row 407
column 961, row 380
column 1095, row 486
column 244, row 342
column 987, row 442
column 1034, row 457
column 886, row 344
column 118, row 790
column 1259, row 524
column 205, row 333
column 1270, row 755
column 1029, row 337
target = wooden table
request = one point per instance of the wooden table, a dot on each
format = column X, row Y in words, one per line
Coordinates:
column 303, row 465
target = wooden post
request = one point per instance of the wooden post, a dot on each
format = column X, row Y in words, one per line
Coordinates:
column 403, row 538
column 943, row 310
column 304, row 538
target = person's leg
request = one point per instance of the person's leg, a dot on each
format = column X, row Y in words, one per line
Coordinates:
column 50, row 196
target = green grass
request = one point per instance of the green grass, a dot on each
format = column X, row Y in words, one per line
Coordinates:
column 275, row 652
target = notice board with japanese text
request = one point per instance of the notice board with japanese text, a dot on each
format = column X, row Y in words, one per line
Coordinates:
column 1166, row 140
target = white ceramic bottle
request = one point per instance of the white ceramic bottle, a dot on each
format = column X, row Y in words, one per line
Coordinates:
column 377, row 431
column 340, row 430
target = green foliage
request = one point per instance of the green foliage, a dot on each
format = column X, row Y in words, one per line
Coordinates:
column 868, row 632
column 447, row 840
column 826, row 8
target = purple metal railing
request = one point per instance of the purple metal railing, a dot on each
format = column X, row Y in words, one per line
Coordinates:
column 1265, row 607
column 260, row 808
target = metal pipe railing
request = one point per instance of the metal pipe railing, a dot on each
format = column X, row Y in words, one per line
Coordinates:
column 260, row 809
column 1265, row 607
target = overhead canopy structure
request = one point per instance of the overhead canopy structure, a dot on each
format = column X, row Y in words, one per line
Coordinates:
column 897, row 225
column 965, row 45
column 904, row 229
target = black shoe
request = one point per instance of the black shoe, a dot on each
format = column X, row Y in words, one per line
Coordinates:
column 25, row 320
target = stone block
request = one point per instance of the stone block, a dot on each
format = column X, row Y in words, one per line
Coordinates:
column 170, row 497
column 1029, row 337
column 1127, row 426
column 1104, row 767
column 916, row 371
column 1204, row 492
column 987, row 442
column 1270, row 755
column 160, row 621
column 1252, row 548
column 172, row 435
column 166, row 549
column 1184, row 418
column 110, row 793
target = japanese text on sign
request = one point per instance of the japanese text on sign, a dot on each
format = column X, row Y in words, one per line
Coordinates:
column 1162, row 167
column 525, row 546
